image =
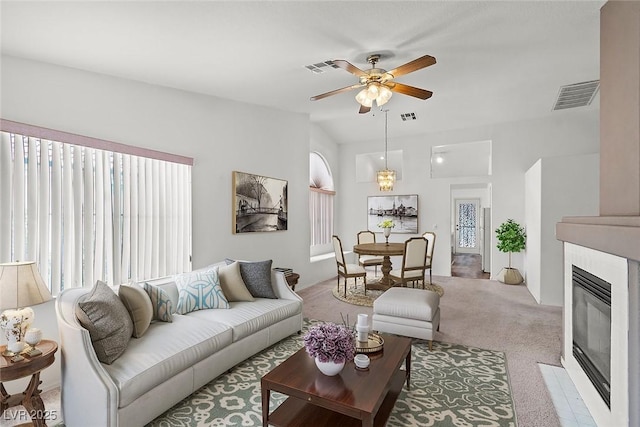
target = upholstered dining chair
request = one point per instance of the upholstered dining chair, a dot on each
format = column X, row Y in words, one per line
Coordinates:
column 347, row 270
column 369, row 260
column 414, row 261
column 431, row 239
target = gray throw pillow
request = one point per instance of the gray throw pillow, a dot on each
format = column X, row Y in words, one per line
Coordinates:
column 257, row 277
column 106, row 318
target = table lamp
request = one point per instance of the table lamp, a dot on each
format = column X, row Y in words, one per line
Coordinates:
column 21, row 286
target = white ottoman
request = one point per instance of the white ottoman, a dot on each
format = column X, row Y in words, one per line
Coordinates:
column 408, row 312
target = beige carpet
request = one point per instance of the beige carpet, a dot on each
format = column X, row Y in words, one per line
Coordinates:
column 486, row 314
column 356, row 294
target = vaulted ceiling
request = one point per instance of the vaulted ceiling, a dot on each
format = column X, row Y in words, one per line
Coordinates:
column 497, row 61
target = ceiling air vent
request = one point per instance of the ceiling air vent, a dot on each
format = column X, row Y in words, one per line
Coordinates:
column 321, row 67
column 576, row 95
column 408, row 116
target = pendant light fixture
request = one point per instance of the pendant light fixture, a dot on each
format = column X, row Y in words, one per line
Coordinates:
column 386, row 177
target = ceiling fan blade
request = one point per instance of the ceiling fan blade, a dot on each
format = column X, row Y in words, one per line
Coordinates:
column 410, row 90
column 349, row 67
column 334, row 92
column 412, row 66
column 364, row 110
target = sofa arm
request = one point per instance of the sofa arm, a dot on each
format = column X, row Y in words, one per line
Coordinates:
column 281, row 287
column 89, row 395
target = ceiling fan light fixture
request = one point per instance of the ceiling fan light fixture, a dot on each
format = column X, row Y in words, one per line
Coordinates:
column 373, row 90
column 363, row 98
column 384, row 96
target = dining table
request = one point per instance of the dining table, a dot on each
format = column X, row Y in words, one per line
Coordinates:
column 386, row 250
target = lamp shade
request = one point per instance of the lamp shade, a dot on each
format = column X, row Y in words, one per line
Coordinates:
column 363, row 99
column 21, row 285
column 383, row 96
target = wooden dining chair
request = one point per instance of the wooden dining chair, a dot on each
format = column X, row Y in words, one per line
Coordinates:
column 369, row 260
column 431, row 239
column 414, row 261
column 347, row 270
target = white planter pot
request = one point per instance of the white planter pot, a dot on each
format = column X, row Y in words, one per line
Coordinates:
column 329, row 368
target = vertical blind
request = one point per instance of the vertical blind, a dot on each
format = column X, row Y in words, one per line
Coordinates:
column 85, row 214
column 321, row 197
column 321, row 217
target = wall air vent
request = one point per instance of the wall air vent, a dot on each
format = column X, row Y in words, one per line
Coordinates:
column 576, row 95
column 321, row 67
column 408, row 116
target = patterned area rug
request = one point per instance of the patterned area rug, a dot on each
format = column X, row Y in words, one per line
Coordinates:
column 453, row 385
column 356, row 296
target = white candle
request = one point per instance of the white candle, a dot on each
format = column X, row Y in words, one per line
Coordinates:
column 363, row 319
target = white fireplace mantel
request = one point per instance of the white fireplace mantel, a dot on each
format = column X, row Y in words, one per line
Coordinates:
column 613, row 269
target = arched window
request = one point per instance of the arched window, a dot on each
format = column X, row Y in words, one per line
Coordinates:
column 320, row 204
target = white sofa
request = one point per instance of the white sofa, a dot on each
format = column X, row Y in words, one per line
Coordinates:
column 171, row 360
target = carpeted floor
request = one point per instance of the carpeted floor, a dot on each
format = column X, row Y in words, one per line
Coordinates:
column 485, row 314
column 452, row 385
column 356, row 294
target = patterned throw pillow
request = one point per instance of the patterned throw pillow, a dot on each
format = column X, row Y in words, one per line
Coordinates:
column 105, row 317
column 257, row 277
column 161, row 303
column 199, row 290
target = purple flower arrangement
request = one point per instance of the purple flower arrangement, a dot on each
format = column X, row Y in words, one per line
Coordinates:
column 330, row 342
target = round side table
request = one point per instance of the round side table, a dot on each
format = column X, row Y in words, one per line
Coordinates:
column 30, row 398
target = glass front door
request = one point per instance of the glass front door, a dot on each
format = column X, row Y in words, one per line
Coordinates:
column 467, row 219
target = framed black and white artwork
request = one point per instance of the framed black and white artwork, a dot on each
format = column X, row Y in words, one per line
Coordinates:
column 259, row 203
column 402, row 210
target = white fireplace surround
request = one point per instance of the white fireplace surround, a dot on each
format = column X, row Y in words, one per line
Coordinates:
column 614, row 270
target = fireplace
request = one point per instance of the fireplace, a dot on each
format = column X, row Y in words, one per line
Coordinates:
column 599, row 341
column 592, row 329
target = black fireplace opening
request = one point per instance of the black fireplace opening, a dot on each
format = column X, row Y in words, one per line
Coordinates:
column 592, row 329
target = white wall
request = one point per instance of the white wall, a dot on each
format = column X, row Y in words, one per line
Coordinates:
column 515, row 147
column 556, row 187
column 533, row 226
column 221, row 135
column 224, row 136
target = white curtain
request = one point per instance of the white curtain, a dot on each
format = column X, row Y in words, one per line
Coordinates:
column 85, row 214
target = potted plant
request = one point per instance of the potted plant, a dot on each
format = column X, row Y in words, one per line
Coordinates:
column 511, row 238
column 331, row 345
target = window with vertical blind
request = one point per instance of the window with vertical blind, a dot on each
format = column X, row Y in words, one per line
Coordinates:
column 321, row 197
column 84, row 213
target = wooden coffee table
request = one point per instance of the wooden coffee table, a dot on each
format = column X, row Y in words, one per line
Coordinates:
column 351, row 398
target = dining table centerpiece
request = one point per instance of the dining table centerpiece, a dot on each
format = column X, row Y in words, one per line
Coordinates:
column 386, row 226
column 331, row 345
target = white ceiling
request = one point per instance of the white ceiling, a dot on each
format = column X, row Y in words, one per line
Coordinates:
column 496, row 61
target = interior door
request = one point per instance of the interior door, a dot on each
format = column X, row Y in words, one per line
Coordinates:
column 467, row 226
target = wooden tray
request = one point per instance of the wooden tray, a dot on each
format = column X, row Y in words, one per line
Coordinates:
column 373, row 344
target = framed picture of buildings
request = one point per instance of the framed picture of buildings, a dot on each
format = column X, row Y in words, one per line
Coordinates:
column 403, row 210
column 259, row 203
